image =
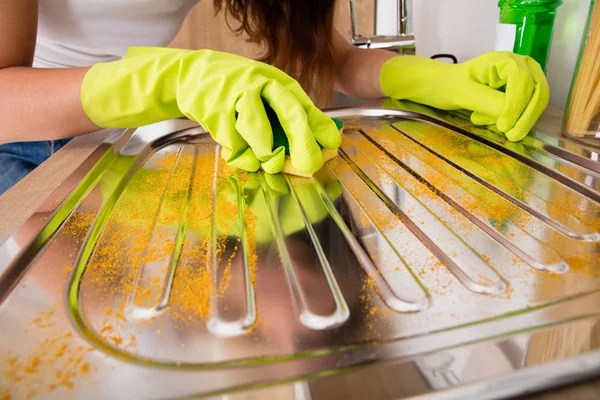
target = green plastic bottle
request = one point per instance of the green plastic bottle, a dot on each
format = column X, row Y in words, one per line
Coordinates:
column 527, row 25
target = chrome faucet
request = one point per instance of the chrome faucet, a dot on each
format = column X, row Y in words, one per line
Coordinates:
column 401, row 41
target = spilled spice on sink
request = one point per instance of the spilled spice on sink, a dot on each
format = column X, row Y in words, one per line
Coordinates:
column 588, row 264
column 373, row 314
column 150, row 210
column 251, row 223
column 140, row 236
column 58, row 362
column 78, row 224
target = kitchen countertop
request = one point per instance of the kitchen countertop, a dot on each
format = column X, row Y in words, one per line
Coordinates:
column 20, row 202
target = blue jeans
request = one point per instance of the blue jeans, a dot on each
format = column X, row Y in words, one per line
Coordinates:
column 19, row 159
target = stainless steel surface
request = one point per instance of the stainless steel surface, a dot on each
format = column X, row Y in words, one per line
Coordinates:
column 403, row 39
column 402, row 17
column 431, row 258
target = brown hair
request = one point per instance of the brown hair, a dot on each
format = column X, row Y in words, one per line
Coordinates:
column 296, row 35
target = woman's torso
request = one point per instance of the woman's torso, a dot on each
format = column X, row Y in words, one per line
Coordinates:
column 75, row 33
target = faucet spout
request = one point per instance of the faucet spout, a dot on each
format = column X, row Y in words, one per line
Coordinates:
column 401, row 41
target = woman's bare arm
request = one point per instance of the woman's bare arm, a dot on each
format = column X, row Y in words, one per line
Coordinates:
column 35, row 103
column 357, row 70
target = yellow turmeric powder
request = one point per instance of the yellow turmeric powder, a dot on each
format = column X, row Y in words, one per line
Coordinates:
column 56, row 362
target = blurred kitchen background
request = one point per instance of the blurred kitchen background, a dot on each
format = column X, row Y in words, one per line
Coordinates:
column 464, row 28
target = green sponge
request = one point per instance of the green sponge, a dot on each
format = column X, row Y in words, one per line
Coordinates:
column 279, row 136
column 280, row 139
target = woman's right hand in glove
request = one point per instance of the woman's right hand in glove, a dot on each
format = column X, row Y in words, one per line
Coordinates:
column 224, row 93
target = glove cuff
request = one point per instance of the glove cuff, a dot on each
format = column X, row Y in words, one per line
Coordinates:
column 411, row 77
column 135, row 91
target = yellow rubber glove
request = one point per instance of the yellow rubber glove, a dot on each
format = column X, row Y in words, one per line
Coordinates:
column 501, row 88
column 225, row 93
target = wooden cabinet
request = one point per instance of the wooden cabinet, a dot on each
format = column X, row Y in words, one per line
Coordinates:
column 203, row 30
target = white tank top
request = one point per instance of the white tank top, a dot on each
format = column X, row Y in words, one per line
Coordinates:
column 78, row 33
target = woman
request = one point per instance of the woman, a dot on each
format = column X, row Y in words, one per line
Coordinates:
column 62, row 74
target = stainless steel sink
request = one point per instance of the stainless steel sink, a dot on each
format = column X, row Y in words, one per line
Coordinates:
column 431, row 258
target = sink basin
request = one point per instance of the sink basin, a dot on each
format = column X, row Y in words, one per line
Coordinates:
column 430, row 258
